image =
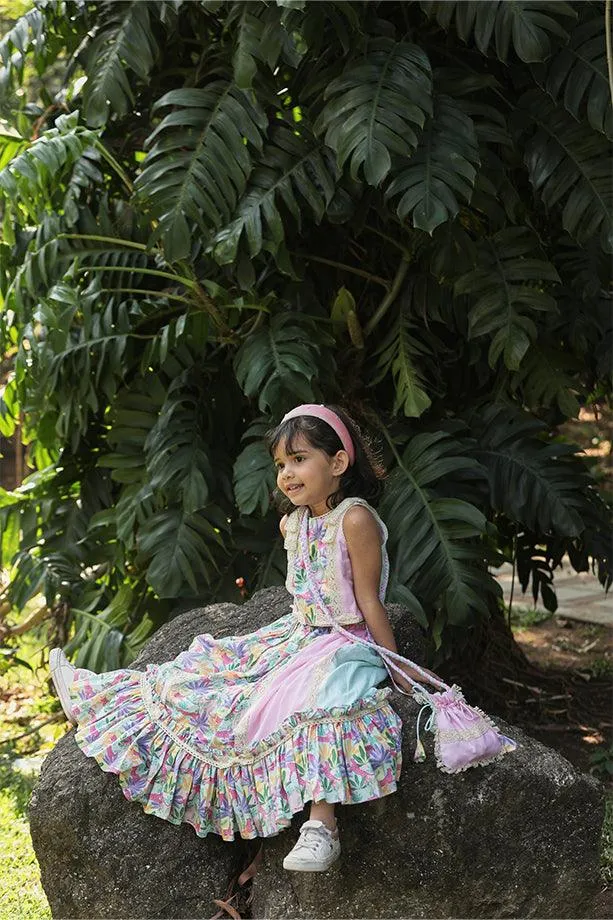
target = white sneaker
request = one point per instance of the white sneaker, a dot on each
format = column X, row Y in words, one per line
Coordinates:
column 62, row 675
column 315, row 850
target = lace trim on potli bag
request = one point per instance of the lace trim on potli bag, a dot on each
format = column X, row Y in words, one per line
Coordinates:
column 464, row 736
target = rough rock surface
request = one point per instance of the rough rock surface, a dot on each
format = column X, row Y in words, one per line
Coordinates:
column 518, row 839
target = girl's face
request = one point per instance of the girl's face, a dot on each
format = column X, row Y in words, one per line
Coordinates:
column 307, row 475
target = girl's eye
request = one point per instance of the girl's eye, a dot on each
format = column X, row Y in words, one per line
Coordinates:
column 298, row 459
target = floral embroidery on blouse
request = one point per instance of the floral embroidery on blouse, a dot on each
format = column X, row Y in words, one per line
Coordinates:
column 318, row 556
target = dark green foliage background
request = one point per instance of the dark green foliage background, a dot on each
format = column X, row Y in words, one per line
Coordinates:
column 214, row 210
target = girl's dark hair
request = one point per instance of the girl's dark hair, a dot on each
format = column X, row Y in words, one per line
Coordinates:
column 364, row 478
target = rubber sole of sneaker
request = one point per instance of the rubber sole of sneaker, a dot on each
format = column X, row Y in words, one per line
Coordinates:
column 306, row 866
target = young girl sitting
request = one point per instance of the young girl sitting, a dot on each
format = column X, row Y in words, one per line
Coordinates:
column 237, row 734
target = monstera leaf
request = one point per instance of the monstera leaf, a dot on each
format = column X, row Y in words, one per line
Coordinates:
column 277, row 362
column 296, row 174
column 434, row 539
column 569, row 167
column 259, row 36
column 124, row 41
column 577, row 76
column 199, row 161
column 178, row 456
column 185, row 550
column 531, row 26
column 254, row 473
column 506, row 287
column 546, row 377
column 377, row 108
column 441, row 171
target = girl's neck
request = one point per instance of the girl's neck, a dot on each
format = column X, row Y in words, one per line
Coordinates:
column 324, row 509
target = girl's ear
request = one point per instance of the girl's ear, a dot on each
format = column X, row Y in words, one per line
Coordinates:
column 340, row 462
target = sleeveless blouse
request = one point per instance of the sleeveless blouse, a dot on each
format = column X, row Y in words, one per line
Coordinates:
column 330, row 564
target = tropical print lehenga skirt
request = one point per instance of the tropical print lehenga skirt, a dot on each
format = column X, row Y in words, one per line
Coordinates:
column 236, row 734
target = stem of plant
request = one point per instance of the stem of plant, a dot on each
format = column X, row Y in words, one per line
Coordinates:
column 389, row 298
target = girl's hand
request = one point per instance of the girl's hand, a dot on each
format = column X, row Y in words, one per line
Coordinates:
column 432, row 679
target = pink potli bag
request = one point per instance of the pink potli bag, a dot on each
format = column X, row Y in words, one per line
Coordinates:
column 464, row 736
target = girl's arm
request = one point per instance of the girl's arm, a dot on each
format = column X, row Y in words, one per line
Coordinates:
column 363, row 539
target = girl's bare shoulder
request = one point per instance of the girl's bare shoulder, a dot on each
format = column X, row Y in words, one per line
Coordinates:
column 283, row 525
column 359, row 519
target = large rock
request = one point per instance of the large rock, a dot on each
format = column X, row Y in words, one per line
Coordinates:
column 517, row 839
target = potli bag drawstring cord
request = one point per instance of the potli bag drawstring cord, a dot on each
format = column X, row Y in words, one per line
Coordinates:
column 389, row 658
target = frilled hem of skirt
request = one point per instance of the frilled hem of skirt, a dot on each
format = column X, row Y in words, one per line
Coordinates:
column 347, row 755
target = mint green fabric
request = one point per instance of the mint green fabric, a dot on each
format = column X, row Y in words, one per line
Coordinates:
column 355, row 673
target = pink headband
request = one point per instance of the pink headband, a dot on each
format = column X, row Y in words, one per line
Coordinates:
column 331, row 418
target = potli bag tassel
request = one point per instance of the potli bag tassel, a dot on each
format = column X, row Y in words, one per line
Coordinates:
column 464, row 736
column 420, row 752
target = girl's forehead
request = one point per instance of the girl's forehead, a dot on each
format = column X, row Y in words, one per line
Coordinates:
column 298, row 442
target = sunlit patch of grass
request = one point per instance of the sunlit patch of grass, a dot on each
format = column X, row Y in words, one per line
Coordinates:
column 522, row 617
column 21, row 893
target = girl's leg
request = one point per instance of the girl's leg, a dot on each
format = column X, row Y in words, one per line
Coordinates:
column 324, row 811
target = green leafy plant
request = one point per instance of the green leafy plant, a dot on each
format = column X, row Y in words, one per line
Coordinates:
column 602, row 761
column 213, row 211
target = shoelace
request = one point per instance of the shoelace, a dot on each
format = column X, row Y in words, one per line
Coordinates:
column 311, row 838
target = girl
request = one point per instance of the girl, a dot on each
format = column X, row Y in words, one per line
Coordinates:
column 237, row 734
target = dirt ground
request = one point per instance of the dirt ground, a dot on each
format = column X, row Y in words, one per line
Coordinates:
column 578, row 720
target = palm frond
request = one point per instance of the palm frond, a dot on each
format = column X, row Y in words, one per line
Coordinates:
column 541, row 484
column 399, row 354
column 37, row 172
column 27, row 35
column 104, row 638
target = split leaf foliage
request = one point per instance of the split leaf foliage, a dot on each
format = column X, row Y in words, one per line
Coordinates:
column 212, row 211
